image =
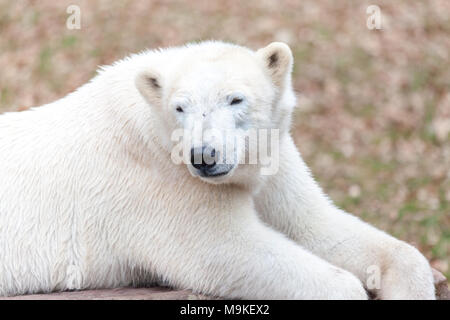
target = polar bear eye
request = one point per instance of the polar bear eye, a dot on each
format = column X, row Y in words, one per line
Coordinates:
column 179, row 109
column 236, row 101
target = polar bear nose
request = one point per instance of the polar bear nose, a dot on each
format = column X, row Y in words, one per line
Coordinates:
column 203, row 158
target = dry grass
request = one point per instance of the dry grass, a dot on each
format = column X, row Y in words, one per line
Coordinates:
column 374, row 111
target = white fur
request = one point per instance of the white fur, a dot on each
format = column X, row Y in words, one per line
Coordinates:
column 89, row 196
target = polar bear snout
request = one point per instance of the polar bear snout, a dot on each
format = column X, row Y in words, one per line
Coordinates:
column 206, row 161
column 203, row 158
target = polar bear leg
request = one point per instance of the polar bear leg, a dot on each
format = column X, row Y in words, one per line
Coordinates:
column 293, row 203
column 251, row 262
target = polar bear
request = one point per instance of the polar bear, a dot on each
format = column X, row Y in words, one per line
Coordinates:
column 90, row 196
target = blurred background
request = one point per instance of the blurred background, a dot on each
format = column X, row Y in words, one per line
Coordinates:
column 373, row 116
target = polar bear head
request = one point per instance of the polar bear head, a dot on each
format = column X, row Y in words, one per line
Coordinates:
column 220, row 99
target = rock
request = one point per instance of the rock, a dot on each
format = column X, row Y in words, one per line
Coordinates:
column 155, row 293
column 440, row 283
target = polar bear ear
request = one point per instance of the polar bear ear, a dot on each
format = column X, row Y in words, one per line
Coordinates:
column 149, row 85
column 277, row 59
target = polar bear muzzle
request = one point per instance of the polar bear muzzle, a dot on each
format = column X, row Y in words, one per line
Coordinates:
column 204, row 160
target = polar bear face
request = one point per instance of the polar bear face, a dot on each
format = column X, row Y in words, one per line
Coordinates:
column 214, row 96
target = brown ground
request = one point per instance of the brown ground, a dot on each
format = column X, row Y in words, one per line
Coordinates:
column 373, row 119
